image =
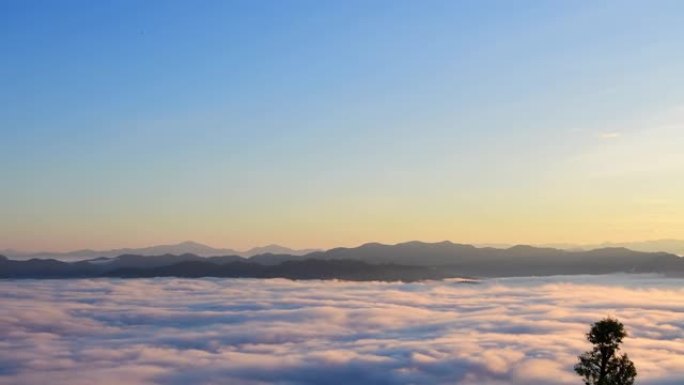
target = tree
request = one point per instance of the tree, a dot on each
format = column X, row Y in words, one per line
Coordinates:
column 603, row 365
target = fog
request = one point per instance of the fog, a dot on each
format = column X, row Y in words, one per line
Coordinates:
column 244, row 332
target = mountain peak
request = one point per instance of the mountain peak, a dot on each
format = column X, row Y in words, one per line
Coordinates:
column 191, row 243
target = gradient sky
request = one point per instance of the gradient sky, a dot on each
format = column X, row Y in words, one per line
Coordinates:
column 326, row 123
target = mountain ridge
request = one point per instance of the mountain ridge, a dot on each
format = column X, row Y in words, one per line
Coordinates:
column 673, row 246
column 441, row 260
column 186, row 247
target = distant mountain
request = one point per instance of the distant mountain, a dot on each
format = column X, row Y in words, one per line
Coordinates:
column 304, row 269
column 274, row 254
column 415, row 259
column 518, row 260
column 673, row 246
column 189, row 266
column 188, row 247
column 275, row 249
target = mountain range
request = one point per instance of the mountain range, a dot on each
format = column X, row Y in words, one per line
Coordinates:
column 188, row 247
column 371, row 261
column 673, row 246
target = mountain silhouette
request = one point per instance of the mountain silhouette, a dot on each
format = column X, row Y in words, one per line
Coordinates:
column 418, row 260
column 188, row 247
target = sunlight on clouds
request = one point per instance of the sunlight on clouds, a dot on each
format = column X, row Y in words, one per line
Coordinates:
column 214, row 331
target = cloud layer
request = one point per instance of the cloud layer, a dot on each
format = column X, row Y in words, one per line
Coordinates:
column 248, row 332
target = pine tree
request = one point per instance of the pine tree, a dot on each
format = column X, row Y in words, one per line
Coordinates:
column 603, row 365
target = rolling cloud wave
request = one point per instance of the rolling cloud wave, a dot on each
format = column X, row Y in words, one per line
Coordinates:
column 248, row 332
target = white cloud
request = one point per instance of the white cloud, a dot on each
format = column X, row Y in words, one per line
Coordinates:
column 214, row 331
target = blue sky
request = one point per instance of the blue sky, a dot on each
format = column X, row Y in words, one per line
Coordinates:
column 316, row 123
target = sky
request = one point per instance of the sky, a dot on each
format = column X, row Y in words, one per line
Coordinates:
column 329, row 123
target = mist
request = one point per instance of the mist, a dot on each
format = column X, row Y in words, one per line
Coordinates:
column 244, row 331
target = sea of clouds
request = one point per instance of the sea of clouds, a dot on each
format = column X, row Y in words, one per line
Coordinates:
column 244, row 331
